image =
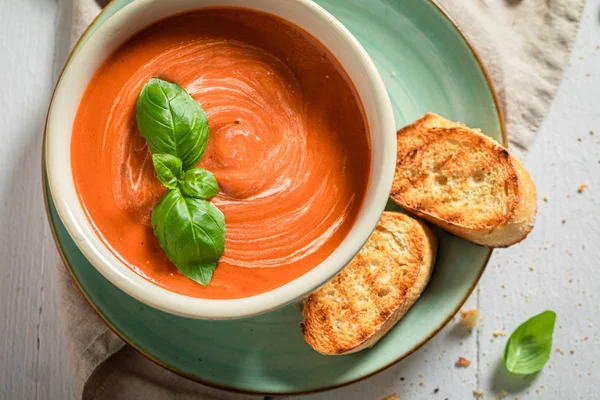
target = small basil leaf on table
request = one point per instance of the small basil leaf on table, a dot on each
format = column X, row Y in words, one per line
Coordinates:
column 529, row 347
column 172, row 122
column 168, row 169
column 199, row 183
column 192, row 233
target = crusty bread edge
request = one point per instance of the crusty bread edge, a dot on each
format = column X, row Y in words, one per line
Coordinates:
column 512, row 231
column 425, row 272
column 522, row 219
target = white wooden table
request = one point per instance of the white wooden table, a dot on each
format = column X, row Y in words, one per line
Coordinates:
column 557, row 268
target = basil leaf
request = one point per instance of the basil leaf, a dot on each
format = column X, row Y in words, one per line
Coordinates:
column 199, row 183
column 529, row 347
column 192, row 233
column 172, row 122
column 168, row 169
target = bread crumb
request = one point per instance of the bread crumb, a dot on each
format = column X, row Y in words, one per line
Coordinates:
column 546, row 199
column 581, row 188
column 499, row 333
column 588, row 74
column 478, row 394
column 592, row 132
column 503, row 394
column 558, row 350
column 421, row 383
column 572, row 351
column 579, row 139
column 462, row 362
column 470, row 318
column 531, row 267
column 586, row 338
column 392, row 397
column 581, row 57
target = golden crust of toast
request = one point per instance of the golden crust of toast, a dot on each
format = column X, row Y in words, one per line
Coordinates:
column 464, row 182
column 364, row 301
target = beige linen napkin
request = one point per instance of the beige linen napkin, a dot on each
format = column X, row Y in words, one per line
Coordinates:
column 525, row 44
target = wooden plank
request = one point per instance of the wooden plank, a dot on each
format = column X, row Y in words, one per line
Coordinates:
column 32, row 355
column 557, row 268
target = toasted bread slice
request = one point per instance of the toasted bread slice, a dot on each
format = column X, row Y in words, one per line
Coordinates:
column 463, row 181
column 364, row 301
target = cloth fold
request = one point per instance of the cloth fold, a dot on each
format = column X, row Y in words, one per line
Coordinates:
column 525, row 46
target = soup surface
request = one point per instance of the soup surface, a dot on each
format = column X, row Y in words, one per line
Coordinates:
column 288, row 143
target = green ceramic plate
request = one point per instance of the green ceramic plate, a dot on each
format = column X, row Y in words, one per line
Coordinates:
column 427, row 65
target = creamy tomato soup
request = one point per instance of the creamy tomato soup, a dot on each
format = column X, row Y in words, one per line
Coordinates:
column 289, row 146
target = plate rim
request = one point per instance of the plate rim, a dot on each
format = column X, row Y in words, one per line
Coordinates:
column 67, row 265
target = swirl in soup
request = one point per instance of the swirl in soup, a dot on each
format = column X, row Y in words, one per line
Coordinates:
column 289, row 146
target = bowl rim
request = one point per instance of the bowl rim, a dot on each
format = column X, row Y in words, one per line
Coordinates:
column 122, row 336
column 97, row 252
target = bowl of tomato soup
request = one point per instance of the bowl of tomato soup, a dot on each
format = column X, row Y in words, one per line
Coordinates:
column 301, row 143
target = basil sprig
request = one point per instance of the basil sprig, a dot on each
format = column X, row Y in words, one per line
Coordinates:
column 528, row 348
column 189, row 228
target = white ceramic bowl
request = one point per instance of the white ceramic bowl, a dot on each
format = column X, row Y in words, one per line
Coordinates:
column 142, row 13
